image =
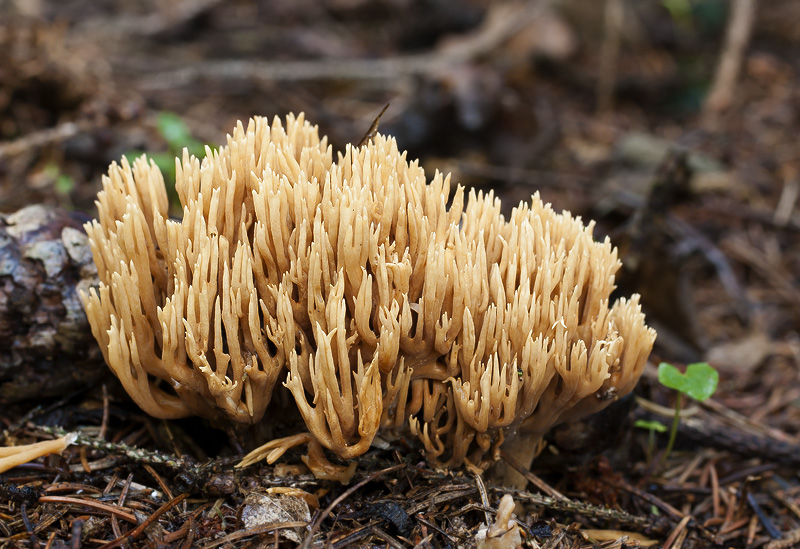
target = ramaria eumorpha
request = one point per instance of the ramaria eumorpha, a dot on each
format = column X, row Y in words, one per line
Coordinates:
column 382, row 301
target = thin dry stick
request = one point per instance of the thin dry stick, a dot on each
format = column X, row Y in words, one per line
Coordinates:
column 650, row 498
column 762, row 517
column 390, row 541
column 484, row 498
column 760, row 263
column 555, row 541
column 729, row 500
column 76, row 534
column 123, row 495
column 609, row 54
column 681, row 538
column 115, row 529
column 352, row 536
column 737, row 37
column 533, row 479
column 688, row 470
column 43, row 137
column 585, row 509
column 432, row 526
column 101, row 434
column 373, row 129
column 791, row 505
column 751, row 530
column 28, row 526
column 746, row 423
column 455, row 493
column 158, row 21
column 187, row 526
column 786, row 203
column 677, row 531
column 714, row 489
column 159, row 480
column 733, row 526
column 138, row 455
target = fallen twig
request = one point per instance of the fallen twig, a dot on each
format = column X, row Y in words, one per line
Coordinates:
column 506, row 21
column 43, row 138
column 588, row 510
column 737, row 36
column 138, row 455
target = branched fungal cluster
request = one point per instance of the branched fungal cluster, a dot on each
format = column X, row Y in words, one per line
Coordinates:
column 381, row 301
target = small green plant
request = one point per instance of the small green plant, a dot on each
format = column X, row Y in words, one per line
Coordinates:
column 653, row 427
column 699, row 382
column 63, row 184
column 680, row 11
column 176, row 133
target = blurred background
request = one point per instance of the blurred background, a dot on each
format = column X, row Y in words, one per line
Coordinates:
column 672, row 123
column 517, row 96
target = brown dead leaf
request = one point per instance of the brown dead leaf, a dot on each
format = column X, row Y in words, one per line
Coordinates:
column 741, row 356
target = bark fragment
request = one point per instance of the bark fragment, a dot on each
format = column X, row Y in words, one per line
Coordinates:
column 46, row 346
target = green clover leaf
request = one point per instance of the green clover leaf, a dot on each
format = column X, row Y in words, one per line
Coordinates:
column 699, row 382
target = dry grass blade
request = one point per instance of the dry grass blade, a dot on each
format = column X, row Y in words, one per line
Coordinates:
column 373, row 129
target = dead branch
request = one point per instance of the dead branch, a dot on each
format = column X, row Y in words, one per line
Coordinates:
column 737, row 37
column 609, row 54
column 42, row 138
column 502, row 22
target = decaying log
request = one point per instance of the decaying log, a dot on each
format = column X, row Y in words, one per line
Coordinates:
column 46, row 346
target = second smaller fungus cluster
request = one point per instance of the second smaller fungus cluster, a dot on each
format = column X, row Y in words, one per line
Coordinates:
column 377, row 300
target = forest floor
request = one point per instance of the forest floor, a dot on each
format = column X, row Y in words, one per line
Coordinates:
column 601, row 111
